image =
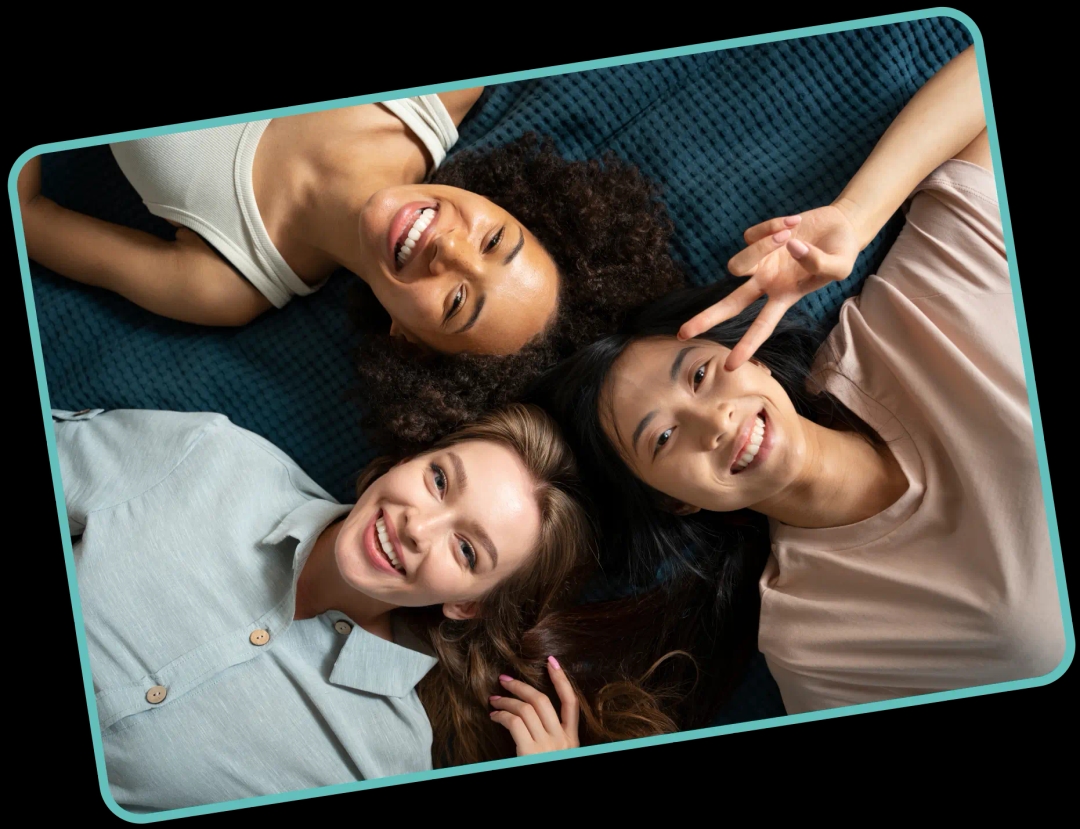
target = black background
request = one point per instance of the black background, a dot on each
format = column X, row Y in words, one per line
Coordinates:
column 971, row 754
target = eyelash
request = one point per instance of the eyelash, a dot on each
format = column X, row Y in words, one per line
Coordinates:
column 494, row 243
column 459, row 300
column 467, row 550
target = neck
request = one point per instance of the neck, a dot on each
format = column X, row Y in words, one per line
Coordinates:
column 338, row 180
column 321, row 588
column 844, row 480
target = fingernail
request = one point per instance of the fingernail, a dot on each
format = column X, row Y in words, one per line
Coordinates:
column 782, row 236
column 505, row 678
column 797, row 248
column 791, row 221
column 494, row 697
column 554, row 663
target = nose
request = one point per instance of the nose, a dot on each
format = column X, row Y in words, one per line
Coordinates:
column 715, row 424
column 453, row 251
column 421, row 529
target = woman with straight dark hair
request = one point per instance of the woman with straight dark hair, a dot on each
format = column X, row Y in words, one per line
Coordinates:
column 896, row 468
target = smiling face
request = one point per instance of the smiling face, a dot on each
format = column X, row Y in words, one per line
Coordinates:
column 455, row 271
column 714, row 439
column 442, row 528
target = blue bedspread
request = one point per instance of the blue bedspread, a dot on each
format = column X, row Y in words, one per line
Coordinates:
column 734, row 137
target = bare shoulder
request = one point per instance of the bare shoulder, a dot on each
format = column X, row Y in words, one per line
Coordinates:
column 459, row 102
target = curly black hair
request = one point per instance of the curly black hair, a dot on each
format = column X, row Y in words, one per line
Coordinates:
column 602, row 223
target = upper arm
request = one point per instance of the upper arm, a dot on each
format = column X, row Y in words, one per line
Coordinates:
column 459, row 102
column 106, row 458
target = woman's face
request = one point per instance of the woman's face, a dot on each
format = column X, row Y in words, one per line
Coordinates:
column 714, row 439
column 442, row 528
column 455, row 271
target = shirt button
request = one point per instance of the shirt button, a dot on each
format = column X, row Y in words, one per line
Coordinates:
column 342, row 627
column 259, row 637
column 156, row 694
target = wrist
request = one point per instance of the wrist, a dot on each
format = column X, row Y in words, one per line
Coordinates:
column 864, row 224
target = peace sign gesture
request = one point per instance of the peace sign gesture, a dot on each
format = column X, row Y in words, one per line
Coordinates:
column 531, row 720
column 785, row 259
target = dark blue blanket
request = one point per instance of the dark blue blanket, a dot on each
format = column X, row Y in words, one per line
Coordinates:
column 734, row 137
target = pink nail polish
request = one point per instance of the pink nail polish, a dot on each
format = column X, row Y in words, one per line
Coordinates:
column 782, row 236
column 791, row 221
column 554, row 663
column 494, row 697
column 505, row 678
column 797, row 248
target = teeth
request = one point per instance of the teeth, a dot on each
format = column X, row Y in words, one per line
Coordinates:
column 415, row 232
column 752, row 448
column 387, row 547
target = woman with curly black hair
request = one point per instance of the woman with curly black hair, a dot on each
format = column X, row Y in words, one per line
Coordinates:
column 515, row 251
column 607, row 233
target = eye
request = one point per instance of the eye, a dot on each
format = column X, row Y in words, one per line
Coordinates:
column 494, row 243
column 439, row 478
column 665, row 436
column 459, row 300
column 699, row 376
column 467, row 552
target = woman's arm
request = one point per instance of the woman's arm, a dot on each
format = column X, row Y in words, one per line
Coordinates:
column 459, row 102
column 940, row 120
column 183, row 279
column 789, row 257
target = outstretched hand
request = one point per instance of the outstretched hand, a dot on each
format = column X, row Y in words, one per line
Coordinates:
column 532, row 720
column 785, row 259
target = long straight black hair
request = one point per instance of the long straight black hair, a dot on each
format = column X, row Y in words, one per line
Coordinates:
column 706, row 563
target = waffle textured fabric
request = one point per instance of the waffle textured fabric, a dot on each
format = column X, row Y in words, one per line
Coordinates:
column 733, row 137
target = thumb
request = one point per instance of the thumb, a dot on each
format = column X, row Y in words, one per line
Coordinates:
column 817, row 262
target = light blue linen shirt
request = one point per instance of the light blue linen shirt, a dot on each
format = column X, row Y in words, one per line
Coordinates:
column 188, row 535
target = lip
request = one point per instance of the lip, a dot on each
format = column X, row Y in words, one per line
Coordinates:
column 374, row 549
column 743, row 441
column 403, row 219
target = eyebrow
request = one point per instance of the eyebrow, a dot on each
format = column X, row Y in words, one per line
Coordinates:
column 676, row 366
column 517, row 248
column 477, row 308
column 459, row 470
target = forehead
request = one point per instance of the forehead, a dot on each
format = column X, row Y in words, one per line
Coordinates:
column 499, row 493
column 640, row 381
column 521, row 297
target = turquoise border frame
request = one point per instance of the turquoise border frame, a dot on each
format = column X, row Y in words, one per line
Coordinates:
column 1070, row 642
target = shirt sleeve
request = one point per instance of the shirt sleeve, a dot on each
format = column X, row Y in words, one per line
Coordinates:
column 952, row 241
column 108, row 457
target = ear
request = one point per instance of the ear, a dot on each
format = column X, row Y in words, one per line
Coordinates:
column 761, row 365
column 677, row 507
column 461, row 611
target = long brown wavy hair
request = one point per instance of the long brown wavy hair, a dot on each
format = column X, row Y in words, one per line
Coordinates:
column 614, row 652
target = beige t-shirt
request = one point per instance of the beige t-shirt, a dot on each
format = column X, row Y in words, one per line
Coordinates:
column 952, row 586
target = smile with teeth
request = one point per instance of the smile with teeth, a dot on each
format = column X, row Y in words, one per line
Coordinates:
column 387, row 547
column 408, row 239
column 752, row 446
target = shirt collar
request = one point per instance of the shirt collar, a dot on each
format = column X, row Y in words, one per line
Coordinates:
column 374, row 665
column 304, row 524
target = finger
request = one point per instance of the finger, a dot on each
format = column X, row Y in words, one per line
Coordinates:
column 759, row 331
column 746, row 261
column 568, row 701
column 528, row 715
column 522, row 739
column 734, row 303
column 818, row 263
column 760, row 231
column 538, row 700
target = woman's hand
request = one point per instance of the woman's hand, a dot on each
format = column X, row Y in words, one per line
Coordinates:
column 785, row 259
column 531, row 720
